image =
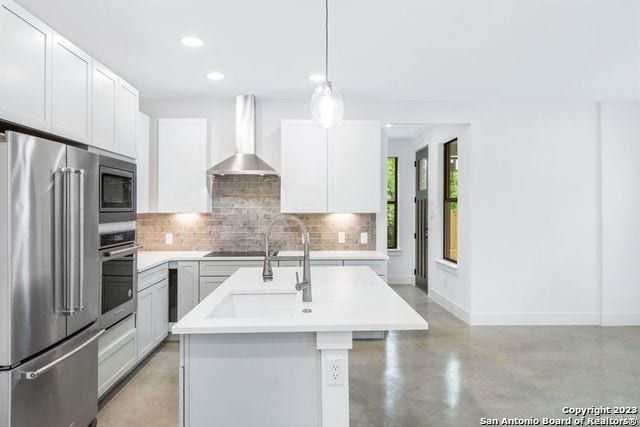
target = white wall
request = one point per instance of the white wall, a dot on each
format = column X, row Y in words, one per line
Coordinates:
column 620, row 213
column 530, row 182
column 533, row 215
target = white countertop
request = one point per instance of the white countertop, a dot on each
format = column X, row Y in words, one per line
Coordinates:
column 149, row 259
column 344, row 299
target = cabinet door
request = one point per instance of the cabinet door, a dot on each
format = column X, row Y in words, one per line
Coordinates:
column 354, row 167
column 160, row 311
column 71, row 91
column 187, row 287
column 182, row 173
column 105, row 89
column 303, row 167
column 126, row 117
column 142, row 163
column 25, row 68
column 210, row 284
column 144, row 318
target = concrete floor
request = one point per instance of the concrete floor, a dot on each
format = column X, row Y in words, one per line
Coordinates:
column 451, row 375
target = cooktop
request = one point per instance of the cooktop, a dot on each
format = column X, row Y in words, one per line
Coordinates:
column 236, row 254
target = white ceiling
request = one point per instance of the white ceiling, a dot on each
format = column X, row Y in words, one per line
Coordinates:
column 434, row 50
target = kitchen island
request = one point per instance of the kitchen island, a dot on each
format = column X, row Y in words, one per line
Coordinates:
column 252, row 353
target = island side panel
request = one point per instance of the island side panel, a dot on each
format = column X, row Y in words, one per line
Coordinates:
column 251, row 379
column 334, row 377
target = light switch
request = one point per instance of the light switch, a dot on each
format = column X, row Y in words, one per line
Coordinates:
column 364, row 238
column 168, row 238
column 341, row 237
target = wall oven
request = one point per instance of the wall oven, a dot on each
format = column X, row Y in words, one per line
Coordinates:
column 117, row 190
column 118, row 276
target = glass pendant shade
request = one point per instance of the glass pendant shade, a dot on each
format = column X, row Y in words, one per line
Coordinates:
column 327, row 107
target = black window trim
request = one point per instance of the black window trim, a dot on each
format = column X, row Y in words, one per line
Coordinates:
column 395, row 203
column 447, row 199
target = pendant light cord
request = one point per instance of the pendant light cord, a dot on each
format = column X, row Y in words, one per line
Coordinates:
column 326, row 40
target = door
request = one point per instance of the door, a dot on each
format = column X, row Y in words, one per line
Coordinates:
column 84, row 258
column 25, row 67
column 57, row 388
column 187, row 286
column 144, row 322
column 422, row 225
column 71, row 91
column 35, row 316
column 160, row 311
column 304, row 167
column 105, row 89
column 126, row 116
column 354, row 169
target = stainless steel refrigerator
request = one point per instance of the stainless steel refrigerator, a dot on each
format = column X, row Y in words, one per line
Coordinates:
column 49, row 289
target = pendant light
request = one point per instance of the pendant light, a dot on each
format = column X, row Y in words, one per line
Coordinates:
column 327, row 107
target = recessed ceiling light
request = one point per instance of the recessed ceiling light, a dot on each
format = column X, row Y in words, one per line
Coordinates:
column 215, row 76
column 192, row 42
column 316, row 78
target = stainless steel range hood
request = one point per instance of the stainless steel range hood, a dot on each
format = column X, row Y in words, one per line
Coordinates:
column 245, row 161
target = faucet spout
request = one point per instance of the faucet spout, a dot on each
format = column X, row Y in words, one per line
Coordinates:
column 267, row 271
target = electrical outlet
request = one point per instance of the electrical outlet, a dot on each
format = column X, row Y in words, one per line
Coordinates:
column 335, row 372
column 168, row 238
column 341, row 237
column 364, row 238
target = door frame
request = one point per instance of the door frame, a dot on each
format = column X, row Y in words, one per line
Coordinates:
column 415, row 217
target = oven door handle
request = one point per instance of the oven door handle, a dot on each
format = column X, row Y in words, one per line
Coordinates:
column 121, row 252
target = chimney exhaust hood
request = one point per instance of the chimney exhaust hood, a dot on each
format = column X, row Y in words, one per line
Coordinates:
column 245, row 161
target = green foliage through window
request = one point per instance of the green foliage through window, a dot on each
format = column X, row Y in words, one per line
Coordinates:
column 392, row 202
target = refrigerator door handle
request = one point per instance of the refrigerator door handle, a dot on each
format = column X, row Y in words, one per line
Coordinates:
column 67, row 279
column 32, row 375
column 80, row 258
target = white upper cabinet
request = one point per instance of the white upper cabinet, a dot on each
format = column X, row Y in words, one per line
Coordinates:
column 354, row 167
column 71, row 91
column 25, row 68
column 142, row 163
column 303, row 184
column 182, row 174
column 337, row 170
column 126, row 116
column 105, row 94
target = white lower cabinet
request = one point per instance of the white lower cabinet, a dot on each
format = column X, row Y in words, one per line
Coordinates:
column 145, row 322
column 153, row 312
column 116, row 354
column 188, row 286
column 209, row 284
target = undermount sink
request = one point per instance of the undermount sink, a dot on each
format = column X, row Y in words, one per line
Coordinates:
column 255, row 305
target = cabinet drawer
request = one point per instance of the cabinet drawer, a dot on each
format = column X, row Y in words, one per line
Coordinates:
column 285, row 263
column 209, row 284
column 115, row 333
column 225, row 268
column 331, row 262
column 116, row 355
column 380, row 267
column 152, row 276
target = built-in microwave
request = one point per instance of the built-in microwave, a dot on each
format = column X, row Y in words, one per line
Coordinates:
column 117, row 190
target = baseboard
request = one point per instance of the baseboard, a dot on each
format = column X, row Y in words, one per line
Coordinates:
column 535, row 318
column 449, row 305
column 400, row 280
column 621, row 319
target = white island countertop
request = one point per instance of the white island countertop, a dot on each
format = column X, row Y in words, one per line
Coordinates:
column 149, row 259
column 344, row 299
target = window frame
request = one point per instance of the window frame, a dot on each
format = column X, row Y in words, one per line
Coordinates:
column 393, row 202
column 446, row 200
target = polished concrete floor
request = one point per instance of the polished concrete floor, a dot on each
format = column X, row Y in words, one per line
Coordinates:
column 452, row 375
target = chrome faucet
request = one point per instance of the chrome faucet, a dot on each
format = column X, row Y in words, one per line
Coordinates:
column 267, row 271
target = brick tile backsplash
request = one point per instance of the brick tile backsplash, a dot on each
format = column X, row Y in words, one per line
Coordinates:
column 241, row 210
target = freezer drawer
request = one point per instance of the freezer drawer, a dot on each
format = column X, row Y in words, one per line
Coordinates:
column 62, row 395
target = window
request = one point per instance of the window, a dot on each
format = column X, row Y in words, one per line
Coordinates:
column 392, row 203
column 450, row 251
